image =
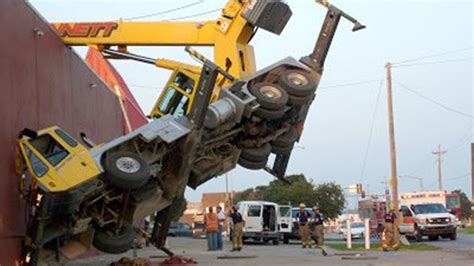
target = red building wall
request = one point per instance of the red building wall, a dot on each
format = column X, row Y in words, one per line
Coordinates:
column 42, row 83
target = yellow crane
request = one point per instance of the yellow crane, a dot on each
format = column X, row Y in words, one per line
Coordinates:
column 229, row 35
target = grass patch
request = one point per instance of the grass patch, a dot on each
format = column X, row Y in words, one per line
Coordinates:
column 467, row 230
column 361, row 247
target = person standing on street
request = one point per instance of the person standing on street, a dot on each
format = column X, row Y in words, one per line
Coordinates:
column 237, row 229
column 391, row 230
column 220, row 227
column 318, row 227
column 303, row 220
column 211, row 227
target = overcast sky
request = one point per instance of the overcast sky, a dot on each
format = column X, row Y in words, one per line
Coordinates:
column 432, row 96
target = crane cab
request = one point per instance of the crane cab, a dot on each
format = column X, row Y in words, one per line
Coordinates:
column 179, row 92
column 55, row 161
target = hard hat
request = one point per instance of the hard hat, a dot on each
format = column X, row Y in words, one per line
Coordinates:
column 302, row 205
column 392, row 207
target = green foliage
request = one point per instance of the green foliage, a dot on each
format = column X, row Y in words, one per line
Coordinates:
column 328, row 196
column 465, row 205
column 330, row 199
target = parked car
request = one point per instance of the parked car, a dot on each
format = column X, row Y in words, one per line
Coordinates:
column 357, row 231
column 180, row 229
column 198, row 230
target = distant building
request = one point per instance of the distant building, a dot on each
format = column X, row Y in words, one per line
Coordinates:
column 195, row 211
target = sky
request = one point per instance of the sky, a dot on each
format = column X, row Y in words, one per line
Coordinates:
column 346, row 137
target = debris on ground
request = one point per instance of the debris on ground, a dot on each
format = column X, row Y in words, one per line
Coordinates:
column 358, row 256
column 227, row 257
column 125, row 261
column 178, row 260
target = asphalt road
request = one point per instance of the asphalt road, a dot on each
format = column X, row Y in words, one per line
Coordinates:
column 462, row 242
column 260, row 254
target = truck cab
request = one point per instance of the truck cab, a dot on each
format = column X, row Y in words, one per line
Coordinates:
column 56, row 162
column 427, row 219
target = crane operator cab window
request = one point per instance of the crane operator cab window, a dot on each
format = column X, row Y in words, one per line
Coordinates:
column 175, row 100
column 48, row 150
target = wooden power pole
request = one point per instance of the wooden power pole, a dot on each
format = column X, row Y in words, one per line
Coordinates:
column 439, row 153
column 391, row 135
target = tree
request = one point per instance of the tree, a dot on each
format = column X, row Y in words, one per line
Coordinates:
column 330, row 199
column 300, row 191
column 328, row 196
column 465, row 205
column 249, row 194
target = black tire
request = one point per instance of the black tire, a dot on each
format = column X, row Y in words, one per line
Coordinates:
column 453, row 236
column 269, row 114
column 276, row 242
column 251, row 164
column 126, row 170
column 114, row 244
column 286, row 139
column 296, row 83
column 257, row 154
column 270, row 96
column 281, row 150
column 297, row 101
column 433, row 238
column 286, row 240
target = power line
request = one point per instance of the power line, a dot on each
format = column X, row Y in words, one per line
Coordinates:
column 435, row 62
column 195, row 15
column 144, row 87
column 429, row 161
column 434, row 101
column 369, row 141
column 165, row 11
column 459, row 177
column 349, row 84
column 435, row 55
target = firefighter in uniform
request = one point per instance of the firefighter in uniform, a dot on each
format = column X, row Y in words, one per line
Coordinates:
column 317, row 227
column 303, row 220
column 237, row 229
column 391, row 230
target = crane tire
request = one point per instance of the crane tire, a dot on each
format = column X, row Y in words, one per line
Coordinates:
column 298, row 101
column 256, row 154
column 251, row 164
column 296, row 83
column 270, row 96
column 126, row 170
column 114, row 244
column 269, row 114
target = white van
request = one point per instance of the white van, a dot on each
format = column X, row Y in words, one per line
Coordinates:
column 262, row 220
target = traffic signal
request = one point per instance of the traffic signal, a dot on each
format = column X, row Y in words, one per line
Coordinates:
column 359, row 189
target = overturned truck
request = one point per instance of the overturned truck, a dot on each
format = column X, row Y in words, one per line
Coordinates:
column 80, row 196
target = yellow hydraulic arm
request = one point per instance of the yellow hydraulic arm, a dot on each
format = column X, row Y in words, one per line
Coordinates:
column 229, row 34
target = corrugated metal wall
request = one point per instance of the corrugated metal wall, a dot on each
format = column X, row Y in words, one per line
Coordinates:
column 42, row 83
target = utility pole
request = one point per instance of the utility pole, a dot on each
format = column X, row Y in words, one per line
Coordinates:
column 391, row 135
column 472, row 183
column 439, row 153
